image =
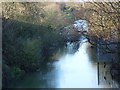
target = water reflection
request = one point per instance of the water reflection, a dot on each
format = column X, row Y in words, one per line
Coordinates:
column 75, row 68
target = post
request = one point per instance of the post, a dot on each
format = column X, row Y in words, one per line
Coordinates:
column 98, row 73
column 98, row 69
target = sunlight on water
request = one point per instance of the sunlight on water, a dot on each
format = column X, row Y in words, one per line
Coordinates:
column 77, row 70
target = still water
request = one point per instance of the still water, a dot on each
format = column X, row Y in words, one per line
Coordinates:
column 75, row 67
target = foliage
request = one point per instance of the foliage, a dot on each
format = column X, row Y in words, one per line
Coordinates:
column 24, row 47
column 35, row 13
column 31, row 31
column 30, row 36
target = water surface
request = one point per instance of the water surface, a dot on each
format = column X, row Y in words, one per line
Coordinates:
column 75, row 67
